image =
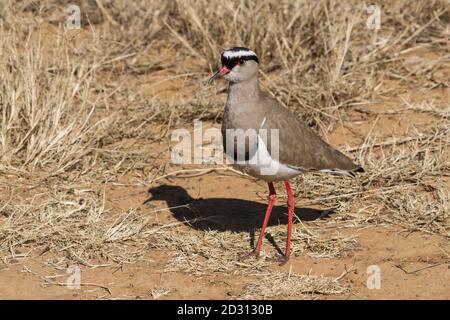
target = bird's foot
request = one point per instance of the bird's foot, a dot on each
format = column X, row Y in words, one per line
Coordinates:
column 282, row 259
column 252, row 254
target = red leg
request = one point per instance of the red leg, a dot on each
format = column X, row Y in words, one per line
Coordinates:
column 272, row 200
column 290, row 218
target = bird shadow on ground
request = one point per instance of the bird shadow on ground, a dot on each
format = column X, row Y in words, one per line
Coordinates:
column 225, row 214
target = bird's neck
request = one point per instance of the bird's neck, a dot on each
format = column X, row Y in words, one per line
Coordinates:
column 248, row 89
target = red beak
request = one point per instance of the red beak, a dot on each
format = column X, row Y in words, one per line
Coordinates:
column 222, row 71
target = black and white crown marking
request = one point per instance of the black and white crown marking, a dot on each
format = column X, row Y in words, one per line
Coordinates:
column 231, row 57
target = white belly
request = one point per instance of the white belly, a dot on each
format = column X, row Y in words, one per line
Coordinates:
column 262, row 166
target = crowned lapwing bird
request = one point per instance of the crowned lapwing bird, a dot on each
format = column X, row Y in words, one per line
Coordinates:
column 268, row 141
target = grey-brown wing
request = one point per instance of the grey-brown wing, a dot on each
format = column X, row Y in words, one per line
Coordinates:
column 301, row 147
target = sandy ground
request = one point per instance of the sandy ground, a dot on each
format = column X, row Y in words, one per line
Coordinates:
column 413, row 265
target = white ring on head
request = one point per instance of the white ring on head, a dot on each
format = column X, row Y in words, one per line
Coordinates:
column 240, row 53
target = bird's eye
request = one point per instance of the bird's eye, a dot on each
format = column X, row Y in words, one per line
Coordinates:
column 241, row 61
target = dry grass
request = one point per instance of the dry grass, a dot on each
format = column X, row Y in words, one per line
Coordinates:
column 220, row 252
column 406, row 182
column 73, row 222
column 75, row 118
column 47, row 114
column 292, row 286
column 325, row 57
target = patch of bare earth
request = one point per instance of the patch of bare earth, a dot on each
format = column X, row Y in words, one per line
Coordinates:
column 86, row 179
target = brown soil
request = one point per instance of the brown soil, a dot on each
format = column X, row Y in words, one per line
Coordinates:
column 413, row 264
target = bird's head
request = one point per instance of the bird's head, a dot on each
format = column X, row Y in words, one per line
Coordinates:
column 238, row 64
